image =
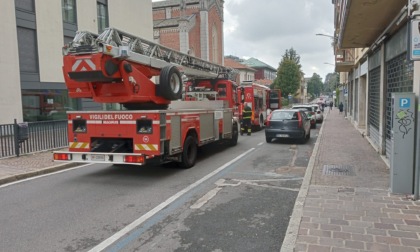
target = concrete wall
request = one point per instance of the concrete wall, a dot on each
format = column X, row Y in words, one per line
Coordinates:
column 87, row 15
column 50, row 40
column 10, row 94
column 134, row 17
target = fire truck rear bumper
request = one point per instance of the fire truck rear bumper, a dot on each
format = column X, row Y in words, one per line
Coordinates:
column 100, row 158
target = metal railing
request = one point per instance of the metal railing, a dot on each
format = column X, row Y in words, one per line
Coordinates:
column 40, row 136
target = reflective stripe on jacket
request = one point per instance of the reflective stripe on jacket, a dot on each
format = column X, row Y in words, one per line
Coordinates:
column 246, row 114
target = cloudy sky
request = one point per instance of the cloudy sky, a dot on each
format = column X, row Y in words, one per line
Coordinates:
column 264, row 29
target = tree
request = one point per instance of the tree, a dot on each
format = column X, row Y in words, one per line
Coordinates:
column 292, row 55
column 289, row 73
column 331, row 82
column 288, row 77
column 315, row 86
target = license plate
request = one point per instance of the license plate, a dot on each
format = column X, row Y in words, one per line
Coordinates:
column 282, row 135
column 97, row 157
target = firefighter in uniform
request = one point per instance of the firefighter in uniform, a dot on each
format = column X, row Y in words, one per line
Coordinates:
column 246, row 120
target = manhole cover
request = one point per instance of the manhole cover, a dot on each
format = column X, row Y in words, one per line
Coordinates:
column 338, row 170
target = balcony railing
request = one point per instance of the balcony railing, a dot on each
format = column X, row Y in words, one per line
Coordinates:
column 344, row 60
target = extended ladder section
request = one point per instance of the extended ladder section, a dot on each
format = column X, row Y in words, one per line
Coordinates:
column 124, row 46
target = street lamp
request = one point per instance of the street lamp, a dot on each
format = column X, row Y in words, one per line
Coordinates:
column 328, row 64
column 325, row 35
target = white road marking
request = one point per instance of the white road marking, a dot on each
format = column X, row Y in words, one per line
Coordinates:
column 260, row 143
column 203, row 200
column 41, row 176
column 106, row 243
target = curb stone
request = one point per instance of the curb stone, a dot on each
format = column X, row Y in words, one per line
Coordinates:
column 42, row 171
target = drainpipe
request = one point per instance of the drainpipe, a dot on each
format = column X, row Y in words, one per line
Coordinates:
column 414, row 6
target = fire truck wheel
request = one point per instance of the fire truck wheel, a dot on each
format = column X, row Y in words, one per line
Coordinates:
column 170, row 86
column 235, row 135
column 189, row 153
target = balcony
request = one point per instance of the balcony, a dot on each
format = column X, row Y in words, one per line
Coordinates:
column 360, row 23
column 344, row 60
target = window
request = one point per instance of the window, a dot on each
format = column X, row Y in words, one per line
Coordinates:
column 28, row 56
column 28, row 5
column 41, row 105
column 103, row 21
column 69, row 11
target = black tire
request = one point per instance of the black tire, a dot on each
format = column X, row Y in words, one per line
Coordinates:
column 170, row 83
column 144, row 106
column 189, row 152
column 235, row 136
column 303, row 139
column 268, row 139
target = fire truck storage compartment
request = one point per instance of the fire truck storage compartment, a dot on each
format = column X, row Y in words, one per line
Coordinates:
column 206, row 131
column 227, row 124
column 112, row 145
column 175, row 143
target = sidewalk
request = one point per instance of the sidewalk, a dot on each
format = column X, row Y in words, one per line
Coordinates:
column 344, row 203
column 30, row 165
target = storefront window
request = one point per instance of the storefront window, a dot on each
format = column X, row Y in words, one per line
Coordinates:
column 44, row 105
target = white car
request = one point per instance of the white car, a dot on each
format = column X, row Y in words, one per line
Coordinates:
column 319, row 116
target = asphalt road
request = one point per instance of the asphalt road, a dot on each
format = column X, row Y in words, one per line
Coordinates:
column 233, row 199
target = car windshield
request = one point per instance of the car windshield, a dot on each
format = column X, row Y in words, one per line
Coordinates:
column 284, row 115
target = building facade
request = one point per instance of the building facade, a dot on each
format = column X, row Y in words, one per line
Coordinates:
column 194, row 27
column 34, row 32
column 245, row 73
column 264, row 71
column 373, row 59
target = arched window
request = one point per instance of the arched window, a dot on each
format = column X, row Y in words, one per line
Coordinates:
column 214, row 44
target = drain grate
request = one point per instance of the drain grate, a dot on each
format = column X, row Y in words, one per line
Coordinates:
column 338, row 170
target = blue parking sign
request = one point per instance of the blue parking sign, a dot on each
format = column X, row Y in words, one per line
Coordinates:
column 404, row 102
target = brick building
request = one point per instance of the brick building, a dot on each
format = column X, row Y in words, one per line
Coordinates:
column 191, row 26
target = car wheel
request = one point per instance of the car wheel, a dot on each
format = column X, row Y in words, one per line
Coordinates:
column 268, row 139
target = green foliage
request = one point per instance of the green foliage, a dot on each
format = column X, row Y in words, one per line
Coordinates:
column 331, row 82
column 289, row 73
column 288, row 77
column 284, row 103
column 315, row 86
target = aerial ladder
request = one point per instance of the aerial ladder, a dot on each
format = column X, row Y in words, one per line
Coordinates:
column 118, row 68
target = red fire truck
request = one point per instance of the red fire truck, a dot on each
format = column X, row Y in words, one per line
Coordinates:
column 157, row 124
column 261, row 99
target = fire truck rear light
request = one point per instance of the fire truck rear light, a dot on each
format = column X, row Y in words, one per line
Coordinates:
column 62, row 156
column 134, row 159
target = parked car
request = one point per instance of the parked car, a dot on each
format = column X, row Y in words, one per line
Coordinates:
column 309, row 112
column 319, row 116
column 288, row 124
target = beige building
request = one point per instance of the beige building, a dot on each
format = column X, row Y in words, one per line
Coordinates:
column 377, row 49
column 32, row 35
